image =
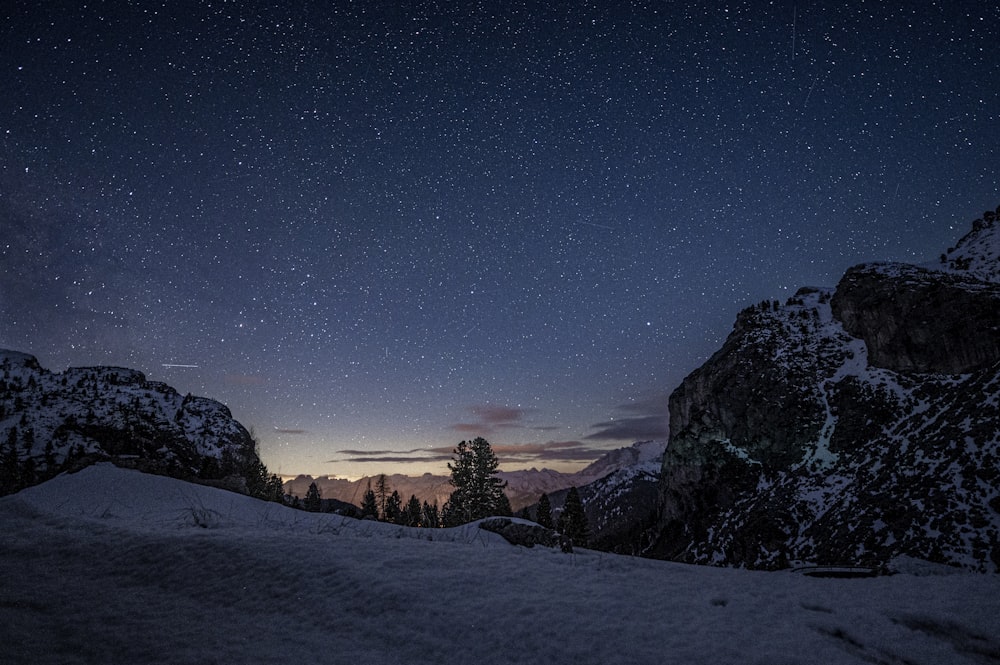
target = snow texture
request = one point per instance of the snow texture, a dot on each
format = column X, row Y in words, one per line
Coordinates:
column 114, row 566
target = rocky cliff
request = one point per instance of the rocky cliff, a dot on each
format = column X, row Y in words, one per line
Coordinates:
column 50, row 422
column 847, row 425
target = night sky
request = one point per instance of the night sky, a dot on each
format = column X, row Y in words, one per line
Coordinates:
column 374, row 229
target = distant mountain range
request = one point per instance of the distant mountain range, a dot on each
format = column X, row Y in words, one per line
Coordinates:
column 524, row 487
column 849, row 425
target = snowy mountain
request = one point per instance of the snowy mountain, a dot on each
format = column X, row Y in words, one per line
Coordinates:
column 51, row 421
column 849, row 425
column 110, row 565
column 622, row 504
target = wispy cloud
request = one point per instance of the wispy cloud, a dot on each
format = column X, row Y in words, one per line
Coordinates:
column 289, row 430
column 630, row 429
column 384, row 457
column 642, row 419
column 490, row 418
column 510, row 454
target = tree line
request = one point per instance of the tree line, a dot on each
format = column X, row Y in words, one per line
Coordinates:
column 478, row 493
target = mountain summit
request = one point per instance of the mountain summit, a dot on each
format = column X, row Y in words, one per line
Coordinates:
column 847, row 426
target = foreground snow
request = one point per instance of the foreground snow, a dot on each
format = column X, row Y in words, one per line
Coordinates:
column 113, row 566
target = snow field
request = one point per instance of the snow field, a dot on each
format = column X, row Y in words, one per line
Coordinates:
column 114, row 566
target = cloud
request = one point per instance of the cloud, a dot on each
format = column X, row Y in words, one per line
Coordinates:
column 490, row 417
column 519, row 454
column 550, row 451
column 641, row 428
column 394, row 458
column 287, row 430
column 644, row 419
column 497, row 415
column 471, row 428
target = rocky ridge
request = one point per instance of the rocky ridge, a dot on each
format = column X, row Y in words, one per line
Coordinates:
column 54, row 421
column 847, row 426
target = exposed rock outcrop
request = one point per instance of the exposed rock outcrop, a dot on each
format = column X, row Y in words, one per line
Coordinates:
column 914, row 319
column 847, row 427
column 50, row 422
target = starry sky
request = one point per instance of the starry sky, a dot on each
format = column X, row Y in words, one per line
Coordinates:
column 376, row 228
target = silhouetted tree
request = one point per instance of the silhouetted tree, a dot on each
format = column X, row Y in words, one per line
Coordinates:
column 572, row 520
column 478, row 492
column 503, row 508
column 394, row 508
column 275, row 489
column 369, row 504
column 314, row 500
column 381, row 495
column 429, row 516
column 411, row 513
column 544, row 516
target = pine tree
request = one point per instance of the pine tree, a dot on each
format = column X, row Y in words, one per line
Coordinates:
column 313, row 501
column 503, row 508
column 381, row 496
column 369, row 504
column 275, row 489
column 544, row 517
column 429, row 516
column 411, row 513
column 572, row 520
column 478, row 492
column 393, row 508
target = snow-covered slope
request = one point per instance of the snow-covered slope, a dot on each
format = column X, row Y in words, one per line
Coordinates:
column 114, row 566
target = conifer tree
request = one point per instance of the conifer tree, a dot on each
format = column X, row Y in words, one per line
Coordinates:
column 429, row 516
column 275, row 490
column 393, row 508
column 544, row 517
column 381, row 496
column 503, row 508
column 478, row 492
column 572, row 520
column 313, row 501
column 369, row 504
column 411, row 513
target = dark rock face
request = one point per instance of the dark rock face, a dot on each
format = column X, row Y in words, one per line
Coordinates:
column 917, row 320
column 846, row 428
